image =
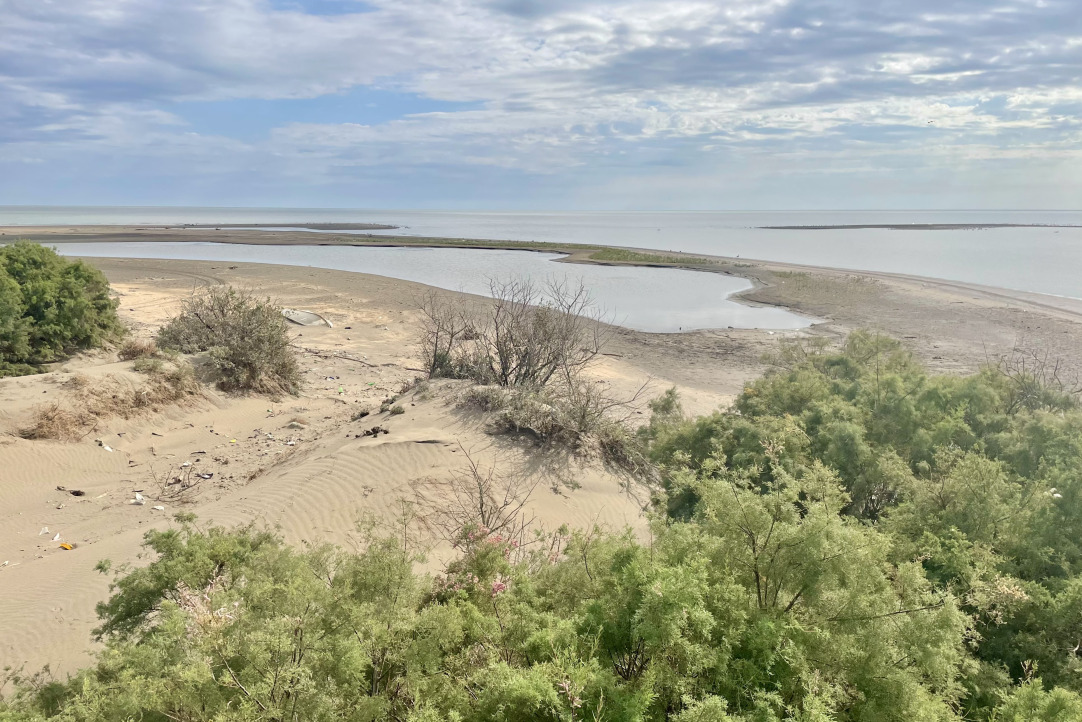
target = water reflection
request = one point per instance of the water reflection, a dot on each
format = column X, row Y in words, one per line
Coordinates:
column 645, row 299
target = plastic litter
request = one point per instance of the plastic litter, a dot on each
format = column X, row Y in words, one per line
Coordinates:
column 305, row 318
column 158, row 508
column 57, row 537
column 44, row 530
column 67, row 546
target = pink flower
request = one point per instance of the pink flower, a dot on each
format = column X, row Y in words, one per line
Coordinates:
column 498, row 587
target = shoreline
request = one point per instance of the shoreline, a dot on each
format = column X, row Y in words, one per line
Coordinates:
column 291, row 226
column 918, row 226
column 761, row 273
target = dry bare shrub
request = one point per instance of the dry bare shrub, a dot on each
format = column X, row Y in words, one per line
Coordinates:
column 527, row 335
column 528, row 349
column 1036, row 380
column 246, row 337
column 136, row 349
column 581, row 417
column 77, row 381
column 107, row 397
column 476, row 497
column 53, row 421
column 147, row 365
column 177, row 488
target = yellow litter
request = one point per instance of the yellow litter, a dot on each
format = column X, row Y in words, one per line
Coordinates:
column 67, row 546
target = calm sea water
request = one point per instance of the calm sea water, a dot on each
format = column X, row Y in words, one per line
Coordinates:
column 1044, row 260
column 647, row 299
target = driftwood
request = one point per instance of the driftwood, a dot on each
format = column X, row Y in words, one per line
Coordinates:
column 333, row 354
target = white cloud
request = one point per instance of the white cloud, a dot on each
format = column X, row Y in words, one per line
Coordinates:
column 557, row 85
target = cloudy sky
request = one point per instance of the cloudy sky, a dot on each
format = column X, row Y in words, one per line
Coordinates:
column 621, row 104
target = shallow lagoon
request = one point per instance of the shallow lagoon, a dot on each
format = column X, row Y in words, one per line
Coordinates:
column 658, row 300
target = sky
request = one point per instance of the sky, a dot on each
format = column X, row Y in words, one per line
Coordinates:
column 542, row 104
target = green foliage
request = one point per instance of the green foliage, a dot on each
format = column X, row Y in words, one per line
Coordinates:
column 975, row 479
column 1031, row 703
column 49, row 307
column 856, row 541
column 246, row 337
column 764, row 607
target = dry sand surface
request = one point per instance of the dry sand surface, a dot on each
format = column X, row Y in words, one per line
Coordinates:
column 300, row 463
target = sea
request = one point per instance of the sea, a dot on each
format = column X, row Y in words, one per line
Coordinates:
column 1046, row 258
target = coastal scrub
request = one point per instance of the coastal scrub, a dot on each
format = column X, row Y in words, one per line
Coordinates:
column 50, row 307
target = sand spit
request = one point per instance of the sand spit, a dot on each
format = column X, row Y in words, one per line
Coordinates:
column 299, row 226
column 919, row 227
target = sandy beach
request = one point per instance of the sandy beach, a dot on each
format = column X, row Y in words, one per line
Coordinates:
column 302, row 464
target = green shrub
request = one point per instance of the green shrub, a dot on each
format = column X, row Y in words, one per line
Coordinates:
column 770, row 596
column 576, row 626
column 50, row 307
column 977, row 479
column 246, row 337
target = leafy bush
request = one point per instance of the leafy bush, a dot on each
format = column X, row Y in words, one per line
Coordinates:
column 977, row 479
column 769, row 592
column 583, row 626
column 49, row 307
column 247, row 339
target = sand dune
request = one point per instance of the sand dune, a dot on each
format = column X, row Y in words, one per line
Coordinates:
column 297, row 464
